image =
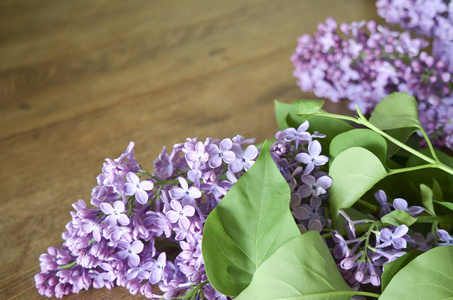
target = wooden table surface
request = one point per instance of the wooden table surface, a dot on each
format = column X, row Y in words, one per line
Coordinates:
column 80, row 79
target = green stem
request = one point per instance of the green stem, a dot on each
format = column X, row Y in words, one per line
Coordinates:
column 430, row 145
column 408, row 169
column 361, row 120
column 68, row 266
column 341, row 117
column 433, row 219
column 376, row 224
column 164, row 182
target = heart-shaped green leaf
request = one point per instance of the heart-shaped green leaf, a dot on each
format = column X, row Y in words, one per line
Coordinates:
column 303, row 268
column 428, row 276
column 250, row 223
column 353, row 173
column 397, row 110
column 364, row 138
column 391, row 268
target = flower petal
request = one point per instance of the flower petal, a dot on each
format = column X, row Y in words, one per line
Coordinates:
column 146, row 185
column 229, row 157
column 225, row 144
column 314, row 148
column 132, row 178
column 173, row 216
column 107, row 208
column 123, row 219
column 133, row 259
column 400, row 203
column 141, row 196
column 130, row 189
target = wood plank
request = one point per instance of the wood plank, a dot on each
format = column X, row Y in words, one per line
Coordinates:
column 107, row 72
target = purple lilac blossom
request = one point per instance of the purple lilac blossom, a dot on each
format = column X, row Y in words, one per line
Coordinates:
column 221, row 152
column 137, row 188
column 393, row 238
column 364, row 62
column 313, row 157
column 115, row 243
column 445, row 237
column 430, row 18
column 297, row 135
column 314, row 187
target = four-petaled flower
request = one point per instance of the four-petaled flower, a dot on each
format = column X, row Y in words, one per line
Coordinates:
column 244, row 159
column 197, row 157
column 130, row 252
column 301, row 134
column 180, row 214
column 314, row 187
column 157, row 270
column 137, row 188
column 313, row 157
column 395, row 238
column 115, row 213
column 221, row 152
column 188, row 195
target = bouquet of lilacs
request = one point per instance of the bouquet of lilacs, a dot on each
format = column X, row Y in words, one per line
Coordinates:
column 364, row 62
column 327, row 211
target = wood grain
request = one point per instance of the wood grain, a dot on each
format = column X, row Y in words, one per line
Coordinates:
column 80, row 79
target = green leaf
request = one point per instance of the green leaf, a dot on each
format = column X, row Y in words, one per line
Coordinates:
column 353, row 173
column 397, row 110
column 402, row 135
column 306, row 108
column 437, row 191
column 391, row 268
column 364, row 138
column 448, row 205
column 282, row 110
column 444, row 180
column 428, row 276
column 303, row 268
column 250, row 223
column 427, row 199
column 398, row 217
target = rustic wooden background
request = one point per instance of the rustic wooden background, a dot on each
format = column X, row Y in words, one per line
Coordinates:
column 80, row 79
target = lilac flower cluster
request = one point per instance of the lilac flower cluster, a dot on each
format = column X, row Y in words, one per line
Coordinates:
column 145, row 229
column 365, row 62
column 301, row 167
column 361, row 259
column 430, row 18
